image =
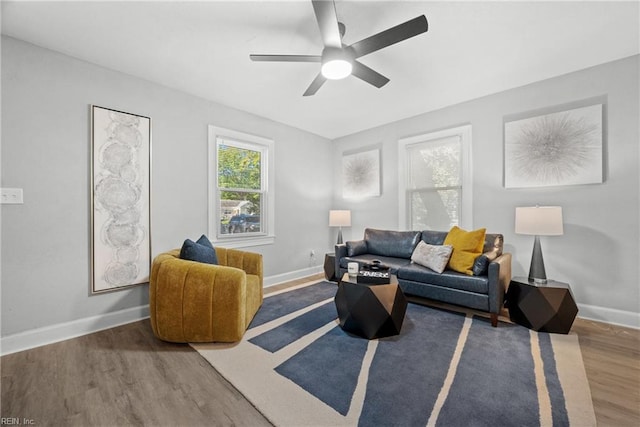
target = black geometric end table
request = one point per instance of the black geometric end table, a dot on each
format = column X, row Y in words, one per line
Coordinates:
column 370, row 310
column 547, row 307
column 330, row 267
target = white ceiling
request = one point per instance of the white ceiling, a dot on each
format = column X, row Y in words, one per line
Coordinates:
column 472, row 49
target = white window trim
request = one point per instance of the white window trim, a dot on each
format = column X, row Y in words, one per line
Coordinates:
column 466, row 212
column 267, row 145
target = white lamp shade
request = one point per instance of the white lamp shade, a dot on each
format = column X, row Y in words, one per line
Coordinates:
column 539, row 220
column 339, row 218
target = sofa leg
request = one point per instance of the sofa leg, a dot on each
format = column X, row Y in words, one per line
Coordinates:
column 494, row 320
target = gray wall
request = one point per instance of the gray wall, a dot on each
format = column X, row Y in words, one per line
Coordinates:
column 598, row 253
column 46, row 151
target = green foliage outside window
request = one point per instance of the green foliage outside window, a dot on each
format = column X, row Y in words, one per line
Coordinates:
column 239, row 171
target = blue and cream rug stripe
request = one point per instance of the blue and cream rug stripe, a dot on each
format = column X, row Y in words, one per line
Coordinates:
column 298, row 367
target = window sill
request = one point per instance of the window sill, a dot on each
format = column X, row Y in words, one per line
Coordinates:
column 245, row 242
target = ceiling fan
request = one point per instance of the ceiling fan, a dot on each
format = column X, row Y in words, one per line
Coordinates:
column 338, row 60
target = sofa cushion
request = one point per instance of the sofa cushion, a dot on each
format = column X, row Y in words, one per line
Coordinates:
column 434, row 257
column 467, row 246
column 356, row 247
column 434, row 237
column 449, row 279
column 199, row 251
column 398, row 244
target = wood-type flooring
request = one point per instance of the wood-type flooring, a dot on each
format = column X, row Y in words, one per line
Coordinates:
column 125, row 376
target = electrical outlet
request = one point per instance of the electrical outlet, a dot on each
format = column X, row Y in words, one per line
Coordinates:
column 11, row 196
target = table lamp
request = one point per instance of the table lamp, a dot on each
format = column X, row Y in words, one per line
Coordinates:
column 539, row 221
column 340, row 219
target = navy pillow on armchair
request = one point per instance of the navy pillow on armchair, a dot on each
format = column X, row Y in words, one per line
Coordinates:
column 199, row 251
column 203, row 240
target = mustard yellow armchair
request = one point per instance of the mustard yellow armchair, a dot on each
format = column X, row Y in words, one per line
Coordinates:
column 196, row 302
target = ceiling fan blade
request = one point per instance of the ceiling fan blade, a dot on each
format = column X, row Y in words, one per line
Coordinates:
column 370, row 76
column 286, row 58
column 315, row 85
column 327, row 22
column 391, row 36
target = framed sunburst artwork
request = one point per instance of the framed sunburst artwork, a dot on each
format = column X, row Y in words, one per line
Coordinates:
column 361, row 174
column 562, row 148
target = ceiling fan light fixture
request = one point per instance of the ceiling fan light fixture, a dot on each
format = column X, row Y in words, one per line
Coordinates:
column 336, row 69
column 339, row 60
column 336, row 63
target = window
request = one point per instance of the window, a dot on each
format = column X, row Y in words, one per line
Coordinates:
column 435, row 180
column 240, row 188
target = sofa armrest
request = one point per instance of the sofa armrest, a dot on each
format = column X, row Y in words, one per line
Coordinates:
column 340, row 252
column 499, row 273
column 249, row 262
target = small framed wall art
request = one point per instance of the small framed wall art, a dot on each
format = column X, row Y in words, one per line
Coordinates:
column 561, row 148
column 120, row 199
column 361, row 174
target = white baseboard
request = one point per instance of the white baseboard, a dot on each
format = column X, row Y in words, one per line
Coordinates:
column 64, row 331
column 293, row 275
column 613, row 316
column 76, row 328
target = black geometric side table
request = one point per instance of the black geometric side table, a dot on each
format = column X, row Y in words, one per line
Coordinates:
column 370, row 310
column 548, row 307
column 330, row 267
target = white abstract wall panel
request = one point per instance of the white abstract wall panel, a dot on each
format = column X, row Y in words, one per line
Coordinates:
column 121, row 171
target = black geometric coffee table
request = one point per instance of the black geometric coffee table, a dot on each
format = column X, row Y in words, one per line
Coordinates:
column 370, row 310
column 546, row 307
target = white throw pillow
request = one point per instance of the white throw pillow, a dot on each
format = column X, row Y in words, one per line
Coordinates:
column 434, row 257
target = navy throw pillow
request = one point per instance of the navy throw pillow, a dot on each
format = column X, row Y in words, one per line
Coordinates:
column 200, row 251
column 203, row 240
column 481, row 265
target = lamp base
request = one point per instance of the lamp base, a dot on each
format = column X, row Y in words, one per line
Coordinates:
column 339, row 242
column 537, row 273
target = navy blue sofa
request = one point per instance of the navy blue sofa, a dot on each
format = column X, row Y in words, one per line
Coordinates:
column 483, row 291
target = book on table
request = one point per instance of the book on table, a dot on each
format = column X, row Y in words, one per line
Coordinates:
column 373, row 277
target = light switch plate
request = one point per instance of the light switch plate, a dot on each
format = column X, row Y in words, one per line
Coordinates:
column 11, row 196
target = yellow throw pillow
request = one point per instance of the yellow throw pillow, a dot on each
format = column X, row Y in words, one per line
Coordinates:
column 467, row 246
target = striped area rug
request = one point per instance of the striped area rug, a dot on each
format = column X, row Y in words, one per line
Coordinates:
column 299, row 368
